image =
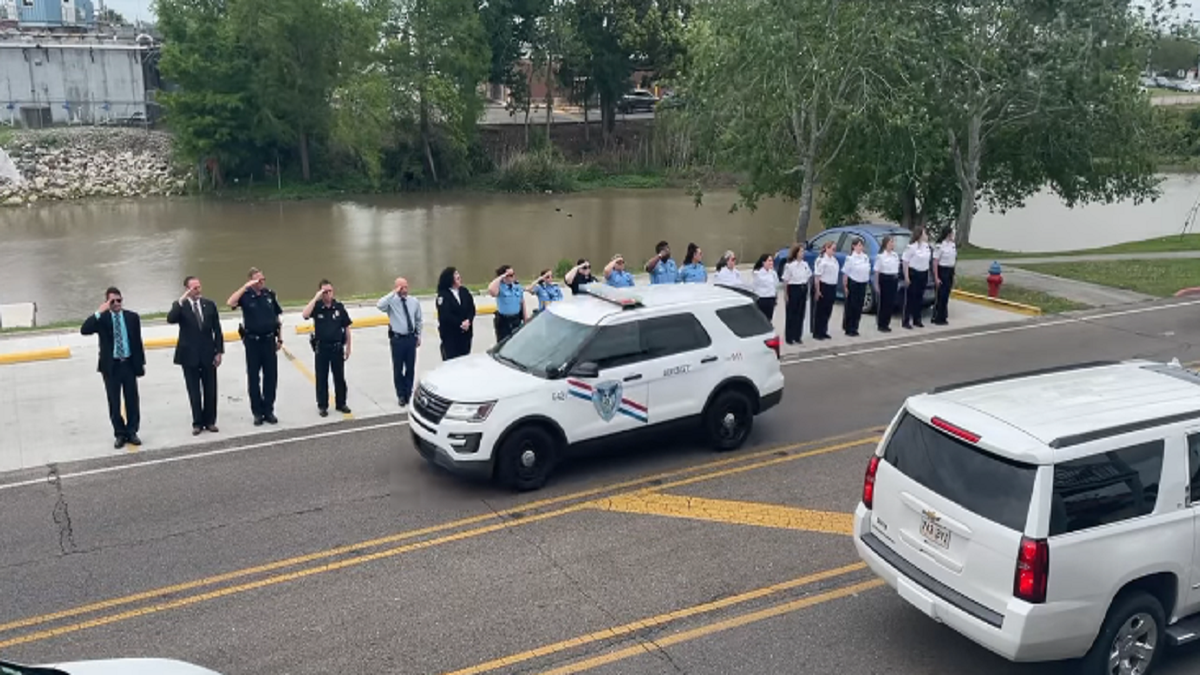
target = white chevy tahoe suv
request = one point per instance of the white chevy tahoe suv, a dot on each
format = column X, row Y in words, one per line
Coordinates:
column 596, row 367
column 1046, row 516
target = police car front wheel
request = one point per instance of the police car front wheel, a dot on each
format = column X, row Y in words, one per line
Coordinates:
column 526, row 457
column 729, row 419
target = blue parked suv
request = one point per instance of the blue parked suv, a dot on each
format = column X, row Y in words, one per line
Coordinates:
column 872, row 235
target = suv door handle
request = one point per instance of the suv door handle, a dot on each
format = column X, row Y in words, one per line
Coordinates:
column 709, row 359
column 631, row 378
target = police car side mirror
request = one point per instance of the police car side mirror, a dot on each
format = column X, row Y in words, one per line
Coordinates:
column 588, row 369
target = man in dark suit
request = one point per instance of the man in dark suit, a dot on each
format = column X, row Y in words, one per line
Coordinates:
column 122, row 361
column 198, row 351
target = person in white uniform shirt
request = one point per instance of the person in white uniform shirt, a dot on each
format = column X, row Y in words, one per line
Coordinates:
column 826, row 271
column 887, row 280
column 796, row 274
column 765, row 281
column 727, row 274
column 856, row 273
column 945, row 255
column 917, row 257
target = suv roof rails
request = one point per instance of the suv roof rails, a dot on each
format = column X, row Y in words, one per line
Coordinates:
column 1028, row 373
column 624, row 300
column 1095, row 435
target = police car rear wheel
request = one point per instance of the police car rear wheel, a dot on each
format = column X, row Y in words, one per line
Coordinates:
column 728, row 420
column 526, row 458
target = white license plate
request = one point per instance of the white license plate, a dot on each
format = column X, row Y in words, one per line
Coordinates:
column 934, row 533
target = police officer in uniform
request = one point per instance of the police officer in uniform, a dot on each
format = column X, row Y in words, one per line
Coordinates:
column 662, row 269
column 615, row 273
column 331, row 342
column 510, row 301
column 262, row 338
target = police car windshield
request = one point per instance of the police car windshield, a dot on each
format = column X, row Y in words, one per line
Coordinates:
column 544, row 344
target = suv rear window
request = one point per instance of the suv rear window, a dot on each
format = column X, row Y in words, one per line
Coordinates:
column 993, row 487
column 745, row 321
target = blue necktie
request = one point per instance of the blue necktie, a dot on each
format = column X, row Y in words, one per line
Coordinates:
column 118, row 336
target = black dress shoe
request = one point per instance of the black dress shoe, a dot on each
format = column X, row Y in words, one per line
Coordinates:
column 940, row 323
column 119, row 443
column 258, row 420
column 271, row 418
column 323, row 412
column 344, row 409
column 918, row 324
column 213, row 428
column 885, row 329
column 196, row 431
column 134, row 440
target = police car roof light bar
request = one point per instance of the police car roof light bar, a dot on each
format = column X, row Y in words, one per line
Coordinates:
column 613, row 295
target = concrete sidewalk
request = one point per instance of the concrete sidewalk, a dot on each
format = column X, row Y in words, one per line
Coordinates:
column 54, row 411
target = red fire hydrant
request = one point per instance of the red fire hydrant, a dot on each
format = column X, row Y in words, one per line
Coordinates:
column 994, row 280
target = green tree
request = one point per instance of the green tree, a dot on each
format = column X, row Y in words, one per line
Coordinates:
column 771, row 85
column 1023, row 95
column 437, row 55
column 209, row 109
column 614, row 38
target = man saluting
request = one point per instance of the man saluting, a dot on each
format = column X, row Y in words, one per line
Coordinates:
column 122, row 361
column 198, row 352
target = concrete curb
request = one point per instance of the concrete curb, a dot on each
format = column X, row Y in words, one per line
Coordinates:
column 997, row 303
column 51, row 354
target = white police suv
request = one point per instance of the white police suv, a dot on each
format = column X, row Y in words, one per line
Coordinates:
column 596, row 367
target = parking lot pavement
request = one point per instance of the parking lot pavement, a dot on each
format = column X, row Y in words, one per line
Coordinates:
column 348, row 554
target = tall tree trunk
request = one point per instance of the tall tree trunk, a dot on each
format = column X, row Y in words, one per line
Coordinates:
column 549, row 96
column 908, row 206
column 304, row 168
column 425, row 134
column 808, row 161
column 966, row 167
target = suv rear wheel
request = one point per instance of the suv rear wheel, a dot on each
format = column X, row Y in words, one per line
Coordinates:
column 1130, row 639
column 526, row 458
column 729, row 419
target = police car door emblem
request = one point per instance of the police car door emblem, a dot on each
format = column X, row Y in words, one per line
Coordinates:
column 606, row 398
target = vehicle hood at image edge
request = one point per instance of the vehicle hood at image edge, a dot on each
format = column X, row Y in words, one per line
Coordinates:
column 131, row 667
column 478, row 378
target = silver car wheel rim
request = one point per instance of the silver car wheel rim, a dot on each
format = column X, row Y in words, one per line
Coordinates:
column 528, row 459
column 1133, row 648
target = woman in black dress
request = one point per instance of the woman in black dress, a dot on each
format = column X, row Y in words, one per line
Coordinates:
column 456, row 315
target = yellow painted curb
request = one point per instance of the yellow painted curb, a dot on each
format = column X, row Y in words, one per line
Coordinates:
column 380, row 320
column 167, row 342
column 51, row 354
column 997, row 303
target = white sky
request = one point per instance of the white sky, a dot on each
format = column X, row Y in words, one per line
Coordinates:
column 130, row 9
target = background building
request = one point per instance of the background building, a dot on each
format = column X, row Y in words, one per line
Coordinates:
column 55, row 14
column 55, row 79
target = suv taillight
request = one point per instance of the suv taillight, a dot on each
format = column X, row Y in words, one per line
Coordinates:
column 869, row 483
column 773, row 343
column 1033, row 570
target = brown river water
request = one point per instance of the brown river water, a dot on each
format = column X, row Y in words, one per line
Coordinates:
column 63, row 255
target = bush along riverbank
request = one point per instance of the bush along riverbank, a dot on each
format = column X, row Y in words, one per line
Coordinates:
column 79, row 163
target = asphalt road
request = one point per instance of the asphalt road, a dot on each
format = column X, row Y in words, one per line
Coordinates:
column 345, row 553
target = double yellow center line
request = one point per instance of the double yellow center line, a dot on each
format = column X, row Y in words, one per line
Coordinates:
column 343, row 557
